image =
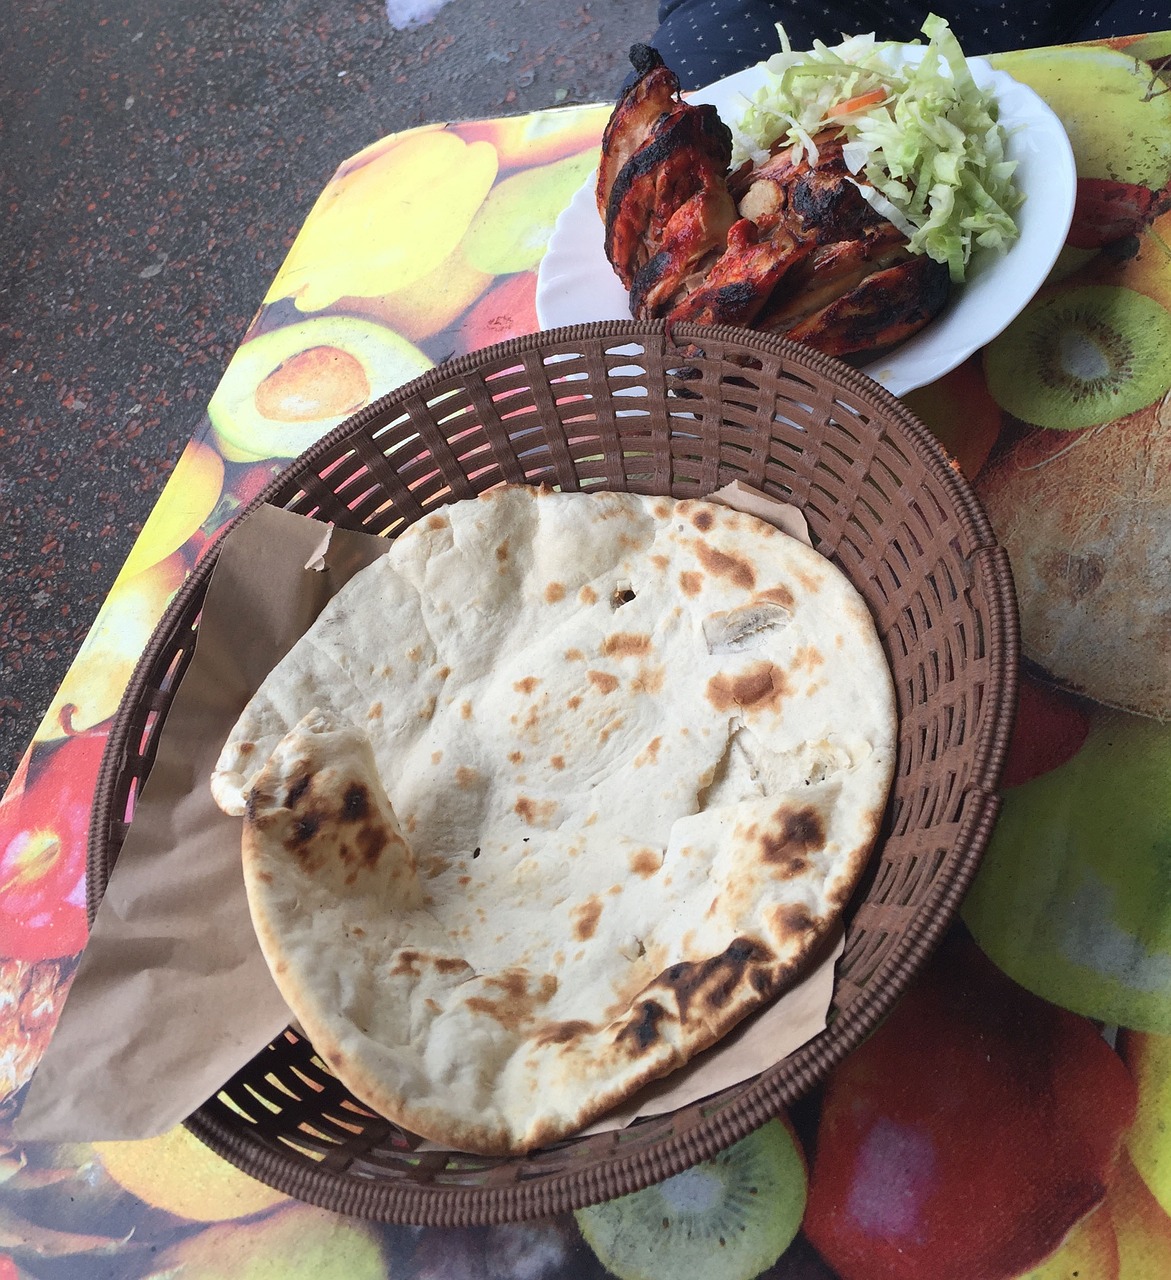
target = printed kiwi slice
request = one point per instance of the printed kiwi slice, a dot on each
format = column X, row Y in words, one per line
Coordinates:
column 732, row 1216
column 1088, row 355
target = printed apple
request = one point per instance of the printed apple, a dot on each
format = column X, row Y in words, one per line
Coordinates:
column 1121, row 134
column 1089, row 1249
column 1072, row 898
column 1142, row 1229
column 241, row 484
column 1142, row 263
column 1050, row 727
column 969, row 1134
column 44, row 831
column 1145, row 46
column 507, row 310
column 1106, row 211
column 960, row 413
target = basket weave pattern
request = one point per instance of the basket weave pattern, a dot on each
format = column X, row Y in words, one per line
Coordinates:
column 634, row 407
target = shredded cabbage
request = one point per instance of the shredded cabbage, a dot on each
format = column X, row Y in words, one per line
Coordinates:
column 930, row 150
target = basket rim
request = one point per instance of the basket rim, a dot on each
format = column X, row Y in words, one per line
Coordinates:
column 763, row 1097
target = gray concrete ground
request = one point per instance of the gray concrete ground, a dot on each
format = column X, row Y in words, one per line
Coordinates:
column 155, row 163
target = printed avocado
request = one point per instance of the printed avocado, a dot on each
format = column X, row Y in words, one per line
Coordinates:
column 286, row 389
column 1121, row 131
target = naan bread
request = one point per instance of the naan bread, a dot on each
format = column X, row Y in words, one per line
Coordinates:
column 553, row 795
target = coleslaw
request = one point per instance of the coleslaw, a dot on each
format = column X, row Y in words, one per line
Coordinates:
column 921, row 133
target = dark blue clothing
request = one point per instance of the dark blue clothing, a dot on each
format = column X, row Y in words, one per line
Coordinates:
column 703, row 40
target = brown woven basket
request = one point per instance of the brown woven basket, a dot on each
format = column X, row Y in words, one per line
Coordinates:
column 631, row 406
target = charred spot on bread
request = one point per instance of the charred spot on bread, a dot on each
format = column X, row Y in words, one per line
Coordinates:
column 797, row 833
column 355, row 803
column 711, row 983
column 297, row 791
column 642, row 1028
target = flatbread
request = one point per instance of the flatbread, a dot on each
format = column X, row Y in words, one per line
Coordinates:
column 553, row 795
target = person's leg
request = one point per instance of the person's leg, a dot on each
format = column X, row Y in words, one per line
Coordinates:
column 1123, row 18
column 985, row 26
column 704, row 40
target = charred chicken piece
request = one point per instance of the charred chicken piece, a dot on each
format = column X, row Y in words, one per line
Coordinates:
column 829, row 303
column 832, row 270
column 640, row 108
column 743, row 278
column 861, row 289
column 667, row 204
column 819, row 199
column 678, row 171
column 693, row 239
column 883, row 309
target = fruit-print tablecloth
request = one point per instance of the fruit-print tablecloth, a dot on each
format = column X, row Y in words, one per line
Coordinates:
column 1013, row 1116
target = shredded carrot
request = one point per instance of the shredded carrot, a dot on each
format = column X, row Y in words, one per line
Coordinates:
column 858, row 103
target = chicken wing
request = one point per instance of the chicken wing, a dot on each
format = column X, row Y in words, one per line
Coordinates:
column 640, row 108
column 682, row 163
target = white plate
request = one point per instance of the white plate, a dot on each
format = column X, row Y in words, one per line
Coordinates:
column 577, row 285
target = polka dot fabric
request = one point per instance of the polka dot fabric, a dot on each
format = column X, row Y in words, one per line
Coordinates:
column 703, row 40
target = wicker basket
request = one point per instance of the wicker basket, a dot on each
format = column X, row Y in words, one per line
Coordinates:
column 633, row 406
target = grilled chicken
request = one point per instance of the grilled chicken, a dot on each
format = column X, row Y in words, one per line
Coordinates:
column 662, row 187
column 885, row 307
column 787, row 246
column 821, row 200
column 670, row 207
column 861, row 289
column 744, row 277
column 653, row 95
column 832, row 270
